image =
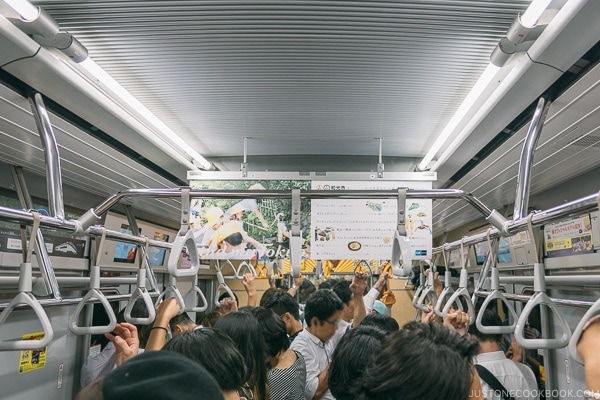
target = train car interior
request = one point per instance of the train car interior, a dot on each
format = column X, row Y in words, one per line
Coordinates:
column 457, row 136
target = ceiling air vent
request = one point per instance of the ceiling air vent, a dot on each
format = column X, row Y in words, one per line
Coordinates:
column 587, row 141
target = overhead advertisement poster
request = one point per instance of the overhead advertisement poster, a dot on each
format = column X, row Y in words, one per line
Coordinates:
column 247, row 229
column 364, row 228
column 340, row 230
column 569, row 238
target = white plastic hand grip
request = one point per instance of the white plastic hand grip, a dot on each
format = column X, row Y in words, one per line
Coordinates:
column 172, row 291
column 180, row 241
column 542, row 343
column 92, row 294
column 26, row 298
column 401, row 256
column 195, row 290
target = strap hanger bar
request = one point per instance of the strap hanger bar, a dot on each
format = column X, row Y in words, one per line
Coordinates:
column 295, row 237
column 25, row 297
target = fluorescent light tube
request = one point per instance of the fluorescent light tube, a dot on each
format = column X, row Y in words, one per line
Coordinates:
column 169, row 137
column 485, row 78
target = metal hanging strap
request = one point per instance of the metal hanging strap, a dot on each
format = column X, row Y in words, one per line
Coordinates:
column 401, row 254
column 184, row 237
column 496, row 294
column 25, row 297
column 94, row 294
column 295, row 237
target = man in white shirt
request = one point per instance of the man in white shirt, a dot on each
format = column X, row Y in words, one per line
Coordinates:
column 517, row 378
column 322, row 334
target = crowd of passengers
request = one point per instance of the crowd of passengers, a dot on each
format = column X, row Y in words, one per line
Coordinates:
column 342, row 345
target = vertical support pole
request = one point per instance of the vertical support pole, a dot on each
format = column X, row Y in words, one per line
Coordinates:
column 53, row 175
column 526, row 161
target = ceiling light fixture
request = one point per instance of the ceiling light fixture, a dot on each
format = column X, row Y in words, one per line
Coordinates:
column 167, row 136
column 524, row 29
column 486, row 77
column 46, row 31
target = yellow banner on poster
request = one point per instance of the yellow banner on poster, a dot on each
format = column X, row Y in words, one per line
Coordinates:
column 30, row 360
column 307, row 266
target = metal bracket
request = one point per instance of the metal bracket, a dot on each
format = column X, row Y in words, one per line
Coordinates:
column 295, row 238
column 401, row 256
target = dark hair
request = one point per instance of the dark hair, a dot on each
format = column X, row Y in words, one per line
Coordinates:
column 282, row 302
column 267, row 295
column 216, row 352
column 211, row 318
column 322, row 304
column 383, row 322
column 244, row 329
column 225, row 295
column 489, row 318
column 306, row 289
column 342, row 289
column 181, row 319
column 235, row 239
column 400, row 367
column 350, row 358
column 273, row 330
column 329, row 283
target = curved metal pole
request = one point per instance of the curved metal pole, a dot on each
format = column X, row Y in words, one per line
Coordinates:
column 526, row 161
column 53, row 176
column 585, row 204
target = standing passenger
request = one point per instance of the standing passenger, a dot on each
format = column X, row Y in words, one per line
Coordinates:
column 350, row 358
column 284, row 305
column 422, row 362
column 517, row 379
column 287, row 373
column 243, row 328
column 317, row 342
column 216, row 352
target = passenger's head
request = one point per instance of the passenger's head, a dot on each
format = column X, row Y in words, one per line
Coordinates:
column 273, row 330
column 342, row 289
column 306, row 289
column 489, row 318
column 155, row 375
column 181, row 323
column 284, row 305
column 383, row 322
column 380, row 308
column 322, row 313
column 268, row 293
column 215, row 351
column 421, row 362
column 244, row 329
column 210, row 319
column 329, row 284
column 350, row 358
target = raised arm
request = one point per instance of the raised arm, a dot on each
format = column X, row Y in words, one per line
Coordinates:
column 358, row 286
column 158, row 334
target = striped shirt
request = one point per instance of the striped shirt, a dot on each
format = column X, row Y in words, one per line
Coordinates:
column 288, row 383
